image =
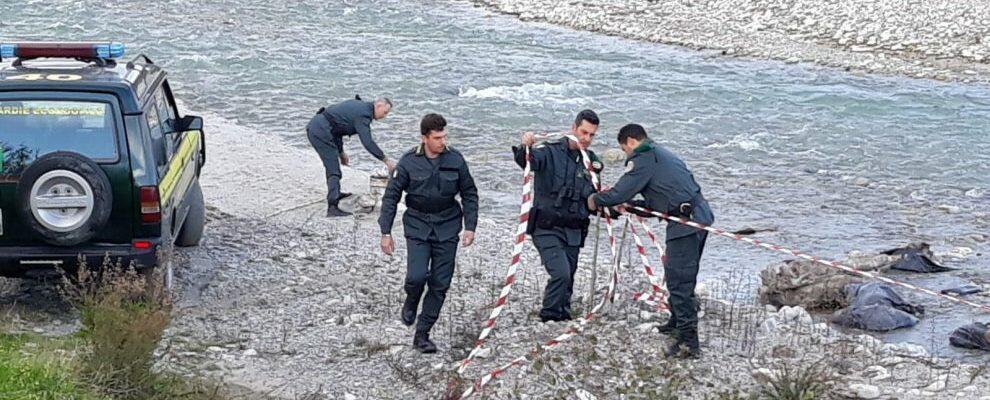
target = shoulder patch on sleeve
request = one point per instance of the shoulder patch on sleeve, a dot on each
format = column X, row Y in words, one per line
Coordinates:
column 597, row 165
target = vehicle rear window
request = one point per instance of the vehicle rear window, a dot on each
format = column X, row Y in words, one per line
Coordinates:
column 32, row 128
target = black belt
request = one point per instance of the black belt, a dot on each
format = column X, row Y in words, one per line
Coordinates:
column 435, row 206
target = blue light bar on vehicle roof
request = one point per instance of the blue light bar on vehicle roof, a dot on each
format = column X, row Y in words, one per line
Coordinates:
column 112, row 50
column 7, row 50
column 105, row 50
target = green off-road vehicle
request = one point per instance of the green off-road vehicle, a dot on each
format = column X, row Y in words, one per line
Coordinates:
column 95, row 159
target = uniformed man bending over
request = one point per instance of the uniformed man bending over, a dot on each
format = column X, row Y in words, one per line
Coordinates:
column 668, row 186
column 431, row 174
column 558, row 221
column 326, row 131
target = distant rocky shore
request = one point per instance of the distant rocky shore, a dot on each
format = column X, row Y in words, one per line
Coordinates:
column 939, row 39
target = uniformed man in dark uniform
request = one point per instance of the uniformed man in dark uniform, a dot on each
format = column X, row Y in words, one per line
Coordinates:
column 667, row 186
column 558, row 221
column 326, row 132
column 431, row 174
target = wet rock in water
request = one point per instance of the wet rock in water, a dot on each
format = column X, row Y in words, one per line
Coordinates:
column 972, row 336
column 915, row 257
column 963, row 290
column 877, row 307
column 752, row 230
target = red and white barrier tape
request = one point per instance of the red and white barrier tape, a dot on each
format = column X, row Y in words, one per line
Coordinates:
column 575, row 328
column 798, row 254
column 510, row 278
column 658, row 298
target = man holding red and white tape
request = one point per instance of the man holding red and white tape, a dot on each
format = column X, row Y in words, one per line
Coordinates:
column 559, row 220
column 668, row 186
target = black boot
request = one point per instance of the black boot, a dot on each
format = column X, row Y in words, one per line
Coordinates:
column 334, row 211
column 687, row 346
column 668, row 329
column 344, row 195
column 409, row 310
column 422, row 343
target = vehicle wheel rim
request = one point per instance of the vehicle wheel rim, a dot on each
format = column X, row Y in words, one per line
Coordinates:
column 61, row 200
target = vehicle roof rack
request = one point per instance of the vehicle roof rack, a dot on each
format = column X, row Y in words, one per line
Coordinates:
column 141, row 60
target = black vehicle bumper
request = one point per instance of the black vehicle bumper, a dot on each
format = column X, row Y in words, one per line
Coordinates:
column 29, row 261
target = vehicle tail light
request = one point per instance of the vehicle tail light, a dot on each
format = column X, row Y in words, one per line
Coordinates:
column 142, row 244
column 151, row 210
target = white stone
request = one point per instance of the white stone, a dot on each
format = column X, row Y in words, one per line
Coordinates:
column 938, row 385
column 485, row 352
column 584, row 395
column 906, row 349
column 864, row 391
column 876, row 373
column 949, row 209
column 348, row 396
column 250, row 353
column 646, row 327
column 702, row 290
column 763, row 375
column 797, row 314
column 888, row 361
column 214, row 349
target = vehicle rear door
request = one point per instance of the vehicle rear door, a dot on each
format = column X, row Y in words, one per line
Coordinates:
column 33, row 124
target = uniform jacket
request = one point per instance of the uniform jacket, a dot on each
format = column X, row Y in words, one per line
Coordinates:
column 664, row 182
column 432, row 212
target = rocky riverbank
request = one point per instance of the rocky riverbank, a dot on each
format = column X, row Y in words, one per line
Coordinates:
column 288, row 303
column 940, row 39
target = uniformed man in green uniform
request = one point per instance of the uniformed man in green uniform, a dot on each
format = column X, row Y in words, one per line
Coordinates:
column 558, row 221
column 326, row 131
column 667, row 186
column 431, row 175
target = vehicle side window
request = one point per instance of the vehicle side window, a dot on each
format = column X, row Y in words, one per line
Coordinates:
column 158, row 145
column 165, row 111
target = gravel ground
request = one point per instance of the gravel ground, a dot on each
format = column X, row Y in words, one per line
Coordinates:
column 300, row 306
column 288, row 304
column 941, row 39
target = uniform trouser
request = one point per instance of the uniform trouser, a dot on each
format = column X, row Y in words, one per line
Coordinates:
column 560, row 261
column 681, row 270
column 429, row 264
column 330, row 155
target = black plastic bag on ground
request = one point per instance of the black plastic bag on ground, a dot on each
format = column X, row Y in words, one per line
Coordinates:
column 915, row 257
column 972, row 336
column 876, row 307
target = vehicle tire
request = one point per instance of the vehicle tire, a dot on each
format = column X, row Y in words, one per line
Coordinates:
column 192, row 229
column 64, row 198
